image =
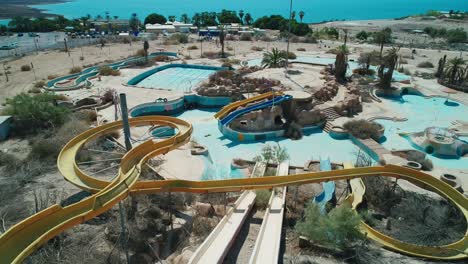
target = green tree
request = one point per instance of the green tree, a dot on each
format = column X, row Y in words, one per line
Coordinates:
column 241, row 16
column 457, row 35
column 155, row 19
column 455, row 70
column 341, row 64
column 338, row 229
column 32, row 113
column 362, row 35
column 172, row 18
column 301, row 15
column 134, row 22
column 228, row 16
column 248, row 19
column 383, row 37
column 387, row 67
column 274, row 59
column 221, row 41
column 185, row 18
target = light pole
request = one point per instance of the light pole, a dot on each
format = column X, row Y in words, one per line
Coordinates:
column 289, row 36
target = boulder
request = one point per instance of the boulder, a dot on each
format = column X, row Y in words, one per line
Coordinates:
column 204, row 209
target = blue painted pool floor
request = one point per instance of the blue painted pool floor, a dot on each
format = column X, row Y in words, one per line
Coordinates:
column 176, row 79
column 422, row 113
column 222, row 150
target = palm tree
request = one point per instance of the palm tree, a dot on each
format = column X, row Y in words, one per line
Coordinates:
column 184, row 18
column 171, row 18
column 341, row 64
column 274, row 59
column 221, row 40
column 248, row 18
column 387, row 67
column 146, row 48
column 293, row 15
column 241, row 15
column 301, row 15
column 116, row 17
column 455, row 71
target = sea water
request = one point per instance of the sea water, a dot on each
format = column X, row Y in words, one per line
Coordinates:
column 315, row 11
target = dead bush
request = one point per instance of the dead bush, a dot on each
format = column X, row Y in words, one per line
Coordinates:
column 193, row 47
column 245, row 37
column 25, row 68
column 52, row 76
column 40, row 84
column 76, row 69
column 108, row 71
column 363, row 129
column 256, row 48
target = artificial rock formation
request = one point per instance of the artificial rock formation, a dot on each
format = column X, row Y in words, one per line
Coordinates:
column 310, row 117
column 261, row 120
column 350, row 106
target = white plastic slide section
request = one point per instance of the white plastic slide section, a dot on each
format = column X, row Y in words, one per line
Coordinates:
column 267, row 246
column 217, row 244
column 258, row 170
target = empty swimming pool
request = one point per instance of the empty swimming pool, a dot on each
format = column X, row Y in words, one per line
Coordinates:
column 174, row 77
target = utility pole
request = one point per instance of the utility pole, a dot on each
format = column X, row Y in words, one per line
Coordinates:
column 289, row 37
column 128, row 146
column 6, row 72
column 66, row 46
column 34, row 71
column 36, row 45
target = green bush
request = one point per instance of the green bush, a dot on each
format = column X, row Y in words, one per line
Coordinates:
column 338, row 229
column 32, row 113
column 262, row 199
column 362, row 35
column 457, row 35
column 363, row 129
column 75, row 69
column 426, row 64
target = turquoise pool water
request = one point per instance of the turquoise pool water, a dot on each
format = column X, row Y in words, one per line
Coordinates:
column 422, row 113
column 176, row 79
column 397, row 76
column 222, row 150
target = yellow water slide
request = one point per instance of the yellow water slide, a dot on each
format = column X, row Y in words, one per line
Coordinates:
column 233, row 106
column 27, row 236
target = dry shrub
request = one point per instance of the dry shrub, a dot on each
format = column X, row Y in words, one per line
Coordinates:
column 25, row 68
column 301, row 49
column 40, row 84
column 34, row 90
column 108, row 71
column 62, row 97
column 52, row 76
column 140, row 53
column 76, row 69
column 262, row 199
column 230, row 37
column 245, row 37
column 48, row 145
column 256, row 48
column 10, row 162
column 211, row 54
column 108, row 96
column 425, row 64
column 202, row 226
column 363, row 129
column 193, row 47
column 161, row 58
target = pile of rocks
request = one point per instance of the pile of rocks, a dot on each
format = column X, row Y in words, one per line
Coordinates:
column 350, row 106
column 327, row 92
column 310, row 117
column 229, row 83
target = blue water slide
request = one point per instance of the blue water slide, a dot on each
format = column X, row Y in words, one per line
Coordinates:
column 277, row 100
column 328, row 187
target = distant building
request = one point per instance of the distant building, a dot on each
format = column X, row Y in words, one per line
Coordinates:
column 113, row 24
column 158, row 28
column 4, row 127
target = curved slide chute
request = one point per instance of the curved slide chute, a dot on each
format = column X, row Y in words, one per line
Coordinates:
column 233, row 115
column 233, row 106
column 328, row 192
column 27, row 236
